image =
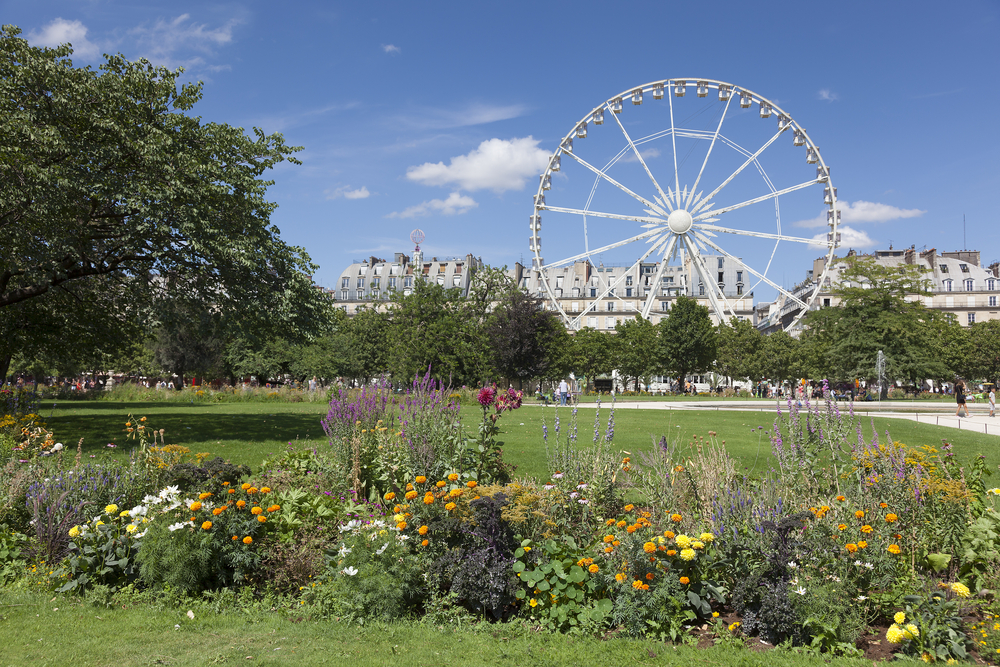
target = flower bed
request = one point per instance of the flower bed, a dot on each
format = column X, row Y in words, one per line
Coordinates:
column 407, row 512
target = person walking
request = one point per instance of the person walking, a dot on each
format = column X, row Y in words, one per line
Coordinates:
column 993, row 401
column 563, row 391
column 960, row 399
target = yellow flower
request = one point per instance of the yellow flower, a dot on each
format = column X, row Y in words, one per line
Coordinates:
column 860, row 514
column 450, row 506
column 441, row 484
column 619, row 577
column 245, row 486
column 862, row 544
column 706, row 537
column 683, row 541
column 649, row 547
column 206, row 526
column 593, row 569
column 422, row 530
column 111, row 509
column 851, row 547
column 247, row 540
column 895, row 634
column 629, row 508
column 890, row 517
column 960, row 589
column 262, row 518
column 687, row 554
column 733, row 626
column 131, row 528
column 685, row 581
column 195, row 506
column 533, row 602
column 866, row 529
column 421, row 479
column 389, row 496
column 697, row 544
column 900, row 618
column 637, row 584
column 715, row 614
column 453, row 476
column 256, row 510
column 911, row 631
column 203, row 496
column 74, row 531
column 123, row 513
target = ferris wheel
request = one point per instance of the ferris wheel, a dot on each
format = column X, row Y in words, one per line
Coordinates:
column 683, row 181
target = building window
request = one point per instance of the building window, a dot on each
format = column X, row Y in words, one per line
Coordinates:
column 964, row 268
column 968, row 285
column 345, row 283
column 592, row 322
column 574, row 307
column 739, row 276
column 611, row 306
column 628, row 280
column 944, row 268
column 392, row 282
column 701, row 289
column 990, row 285
column 456, row 281
column 344, row 293
column 739, row 290
column 593, row 292
column 611, row 322
column 361, row 294
column 947, row 285
column 576, row 292
column 361, row 283
column 826, row 303
column 721, row 262
column 972, row 318
column 559, row 281
column 668, row 280
column 408, row 281
column 721, row 279
column 664, row 306
column 442, row 268
column 628, row 291
column 375, row 283
column 440, row 280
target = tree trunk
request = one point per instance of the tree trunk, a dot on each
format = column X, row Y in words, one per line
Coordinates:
column 4, row 367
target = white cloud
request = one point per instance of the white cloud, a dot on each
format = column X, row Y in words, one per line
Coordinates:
column 647, row 154
column 455, row 204
column 391, row 48
column 849, row 238
column 863, row 211
column 496, row 165
column 828, row 95
column 346, row 192
column 170, row 42
column 61, row 31
column 471, row 114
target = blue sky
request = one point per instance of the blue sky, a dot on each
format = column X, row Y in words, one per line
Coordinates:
column 440, row 115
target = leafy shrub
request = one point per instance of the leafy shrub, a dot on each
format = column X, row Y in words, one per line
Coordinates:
column 11, row 549
column 930, row 625
column 102, row 551
column 213, row 472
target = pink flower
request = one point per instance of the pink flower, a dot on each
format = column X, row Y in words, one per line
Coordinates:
column 486, row 396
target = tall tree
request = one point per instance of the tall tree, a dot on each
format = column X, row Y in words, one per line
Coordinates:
column 425, row 324
column 105, row 180
column 634, row 346
column 984, row 339
column 781, row 356
column 739, row 350
column 592, row 354
column 526, row 341
column 686, row 340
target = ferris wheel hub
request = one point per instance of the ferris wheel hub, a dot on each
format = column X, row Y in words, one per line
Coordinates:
column 679, row 221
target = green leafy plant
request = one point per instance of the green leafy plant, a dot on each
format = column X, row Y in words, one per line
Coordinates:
column 931, row 627
column 102, row 551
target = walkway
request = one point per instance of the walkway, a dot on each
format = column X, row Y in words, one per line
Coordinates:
column 938, row 413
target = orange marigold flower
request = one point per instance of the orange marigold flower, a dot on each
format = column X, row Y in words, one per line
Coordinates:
column 422, row 530
column 232, row 490
column 637, row 584
column 866, row 529
column 203, row 496
column 676, row 518
column 645, row 587
column 615, row 543
column 252, row 490
column 240, row 504
column 862, row 544
column 225, row 484
column 851, row 547
column 860, row 514
column 424, row 543
column 409, row 487
column 450, row 506
column 649, row 547
column 390, row 496
column 891, row 518
column 608, row 539
column 671, row 552
column 256, row 510
column 247, row 540
column 262, row 518
column 455, row 493
column 685, row 581
column 274, row 508
column 893, row 549
column 841, row 526
column 441, row 484
column 629, row 508
column 245, row 486
column 669, row 534
column 421, row 479
column 471, row 484
column 593, row 569
column 883, row 505
column 621, row 524
column 649, row 575
column 401, row 525
column 428, row 499
column 217, row 511
column 609, row 522
column 453, row 477
column 619, row 577
column 410, row 495
column 608, row 550
column 235, row 538
column 195, row 506
column 207, row 525
column 632, row 528
column 841, row 498
column 679, row 468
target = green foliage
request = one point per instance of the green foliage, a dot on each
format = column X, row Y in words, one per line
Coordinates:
column 741, row 351
column 686, row 339
column 12, row 545
column 632, row 349
column 592, row 354
column 210, row 473
column 939, row 635
column 980, row 554
column 102, row 552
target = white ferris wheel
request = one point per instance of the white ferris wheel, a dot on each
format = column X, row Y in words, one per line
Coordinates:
column 695, row 174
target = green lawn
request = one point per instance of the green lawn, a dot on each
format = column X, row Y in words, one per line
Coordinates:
column 37, row 629
column 249, row 432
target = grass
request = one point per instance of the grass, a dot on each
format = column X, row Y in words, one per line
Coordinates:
column 37, row 630
column 249, row 432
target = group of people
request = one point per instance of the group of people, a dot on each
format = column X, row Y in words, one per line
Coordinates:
column 961, row 398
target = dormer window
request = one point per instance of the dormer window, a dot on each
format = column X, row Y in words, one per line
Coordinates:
column 944, row 268
column 964, row 268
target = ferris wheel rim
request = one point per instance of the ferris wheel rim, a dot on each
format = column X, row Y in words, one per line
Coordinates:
column 669, row 88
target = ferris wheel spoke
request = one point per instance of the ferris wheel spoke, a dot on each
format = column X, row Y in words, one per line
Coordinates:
column 638, row 155
column 608, row 286
column 755, row 200
column 702, row 271
column 715, row 137
column 750, row 160
column 760, row 235
column 601, row 214
column 673, row 141
column 651, row 297
column 611, row 246
column 759, row 275
column 615, row 183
